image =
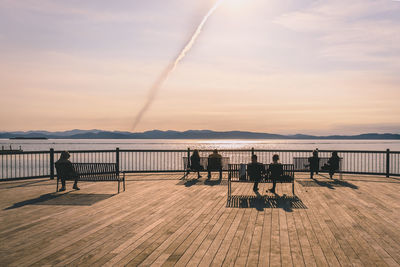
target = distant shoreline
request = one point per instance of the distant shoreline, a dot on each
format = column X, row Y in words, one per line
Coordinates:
column 190, row 134
column 28, row 138
column 110, row 138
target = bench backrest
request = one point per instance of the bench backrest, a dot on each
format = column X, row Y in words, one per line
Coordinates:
column 64, row 170
column 204, row 161
column 302, row 164
column 94, row 171
column 214, row 164
column 238, row 172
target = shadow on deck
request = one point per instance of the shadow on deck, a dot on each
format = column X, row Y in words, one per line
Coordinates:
column 63, row 199
column 209, row 182
column 288, row 203
column 161, row 220
column 328, row 184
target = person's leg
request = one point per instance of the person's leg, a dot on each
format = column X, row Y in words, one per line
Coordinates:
column 255, row 186
column 198, row 174
column 209, row 174
column 62, row 184
column 311, row 174
column 76, row 184
column 273, row 186
column 220, row 174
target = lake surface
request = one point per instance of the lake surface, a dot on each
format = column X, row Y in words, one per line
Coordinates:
column 105, row 144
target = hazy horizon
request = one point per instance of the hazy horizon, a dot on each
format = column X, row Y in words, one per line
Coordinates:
column 272, row 133
column 284, row 67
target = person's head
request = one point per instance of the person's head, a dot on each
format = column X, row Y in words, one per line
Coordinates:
column 215, row 151
column 275, row 158
column 64, row 155
column 195, row 152
column 334, row 154
column 254, row 158
column 315, row 153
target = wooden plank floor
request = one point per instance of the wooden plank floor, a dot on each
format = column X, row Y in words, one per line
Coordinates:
column 164, row 221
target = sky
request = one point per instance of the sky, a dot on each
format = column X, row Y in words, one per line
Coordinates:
column 275, row 66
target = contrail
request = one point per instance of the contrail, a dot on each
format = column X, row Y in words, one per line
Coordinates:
column 172, row 66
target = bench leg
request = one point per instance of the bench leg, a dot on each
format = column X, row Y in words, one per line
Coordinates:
column 57, row 184
column 124, row 182
column 293, row 188
column 229, row 189
column 185, row 174
column 118, row 185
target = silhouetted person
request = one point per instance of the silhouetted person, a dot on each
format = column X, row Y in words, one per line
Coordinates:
column 214, row 163
column 314, row 163
column 255, row 171
column 195, row 162
column 66, row 170
column 333, row 164
column 275, row 171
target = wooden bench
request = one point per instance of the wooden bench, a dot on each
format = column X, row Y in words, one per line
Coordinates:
column 301, row 164
column 94, row 172
column 237, row 173
column 204, row 165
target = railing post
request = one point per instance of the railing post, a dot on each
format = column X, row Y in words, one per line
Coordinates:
column 252, row 151
column 51, row 163
column 188, row 158
column 117, row 159
column 387, row 162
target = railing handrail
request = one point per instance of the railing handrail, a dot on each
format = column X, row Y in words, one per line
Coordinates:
column 200, row 150
column 30, row 164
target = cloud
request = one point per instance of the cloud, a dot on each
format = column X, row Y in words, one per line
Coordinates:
column 350, row 31
column 66, row 8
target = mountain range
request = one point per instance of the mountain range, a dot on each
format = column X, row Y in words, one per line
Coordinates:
column 190, row 134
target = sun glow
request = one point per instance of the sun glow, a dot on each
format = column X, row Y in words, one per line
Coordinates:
column 235, row 7
column 235, row 4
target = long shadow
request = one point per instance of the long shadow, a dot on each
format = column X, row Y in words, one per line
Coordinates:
column 152, row 179
column 287, row 203
column 23, row 184
column 383, row 181
column 208, row 182
column 191, row 182
column 62, row 199
column 212, row 182
column 329, row 184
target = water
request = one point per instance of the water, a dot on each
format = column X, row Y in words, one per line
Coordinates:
column 38, row 164
column 156, row 144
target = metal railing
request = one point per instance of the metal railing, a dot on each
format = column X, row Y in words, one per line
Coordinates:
column 37, row 164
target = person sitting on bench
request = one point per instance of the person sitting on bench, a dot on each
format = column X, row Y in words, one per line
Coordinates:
column 66, row 171
column 275, row 171
column 314, row 163
column 255, row 171
column 195, row 162
column 214, row 163
column 333, row 164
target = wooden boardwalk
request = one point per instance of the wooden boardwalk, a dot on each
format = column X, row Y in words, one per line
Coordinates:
column 163, row 221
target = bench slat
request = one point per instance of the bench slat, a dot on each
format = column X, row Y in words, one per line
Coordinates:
column 236, row 170
column 204, row 163
column 234, row 174
column 96, row 171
